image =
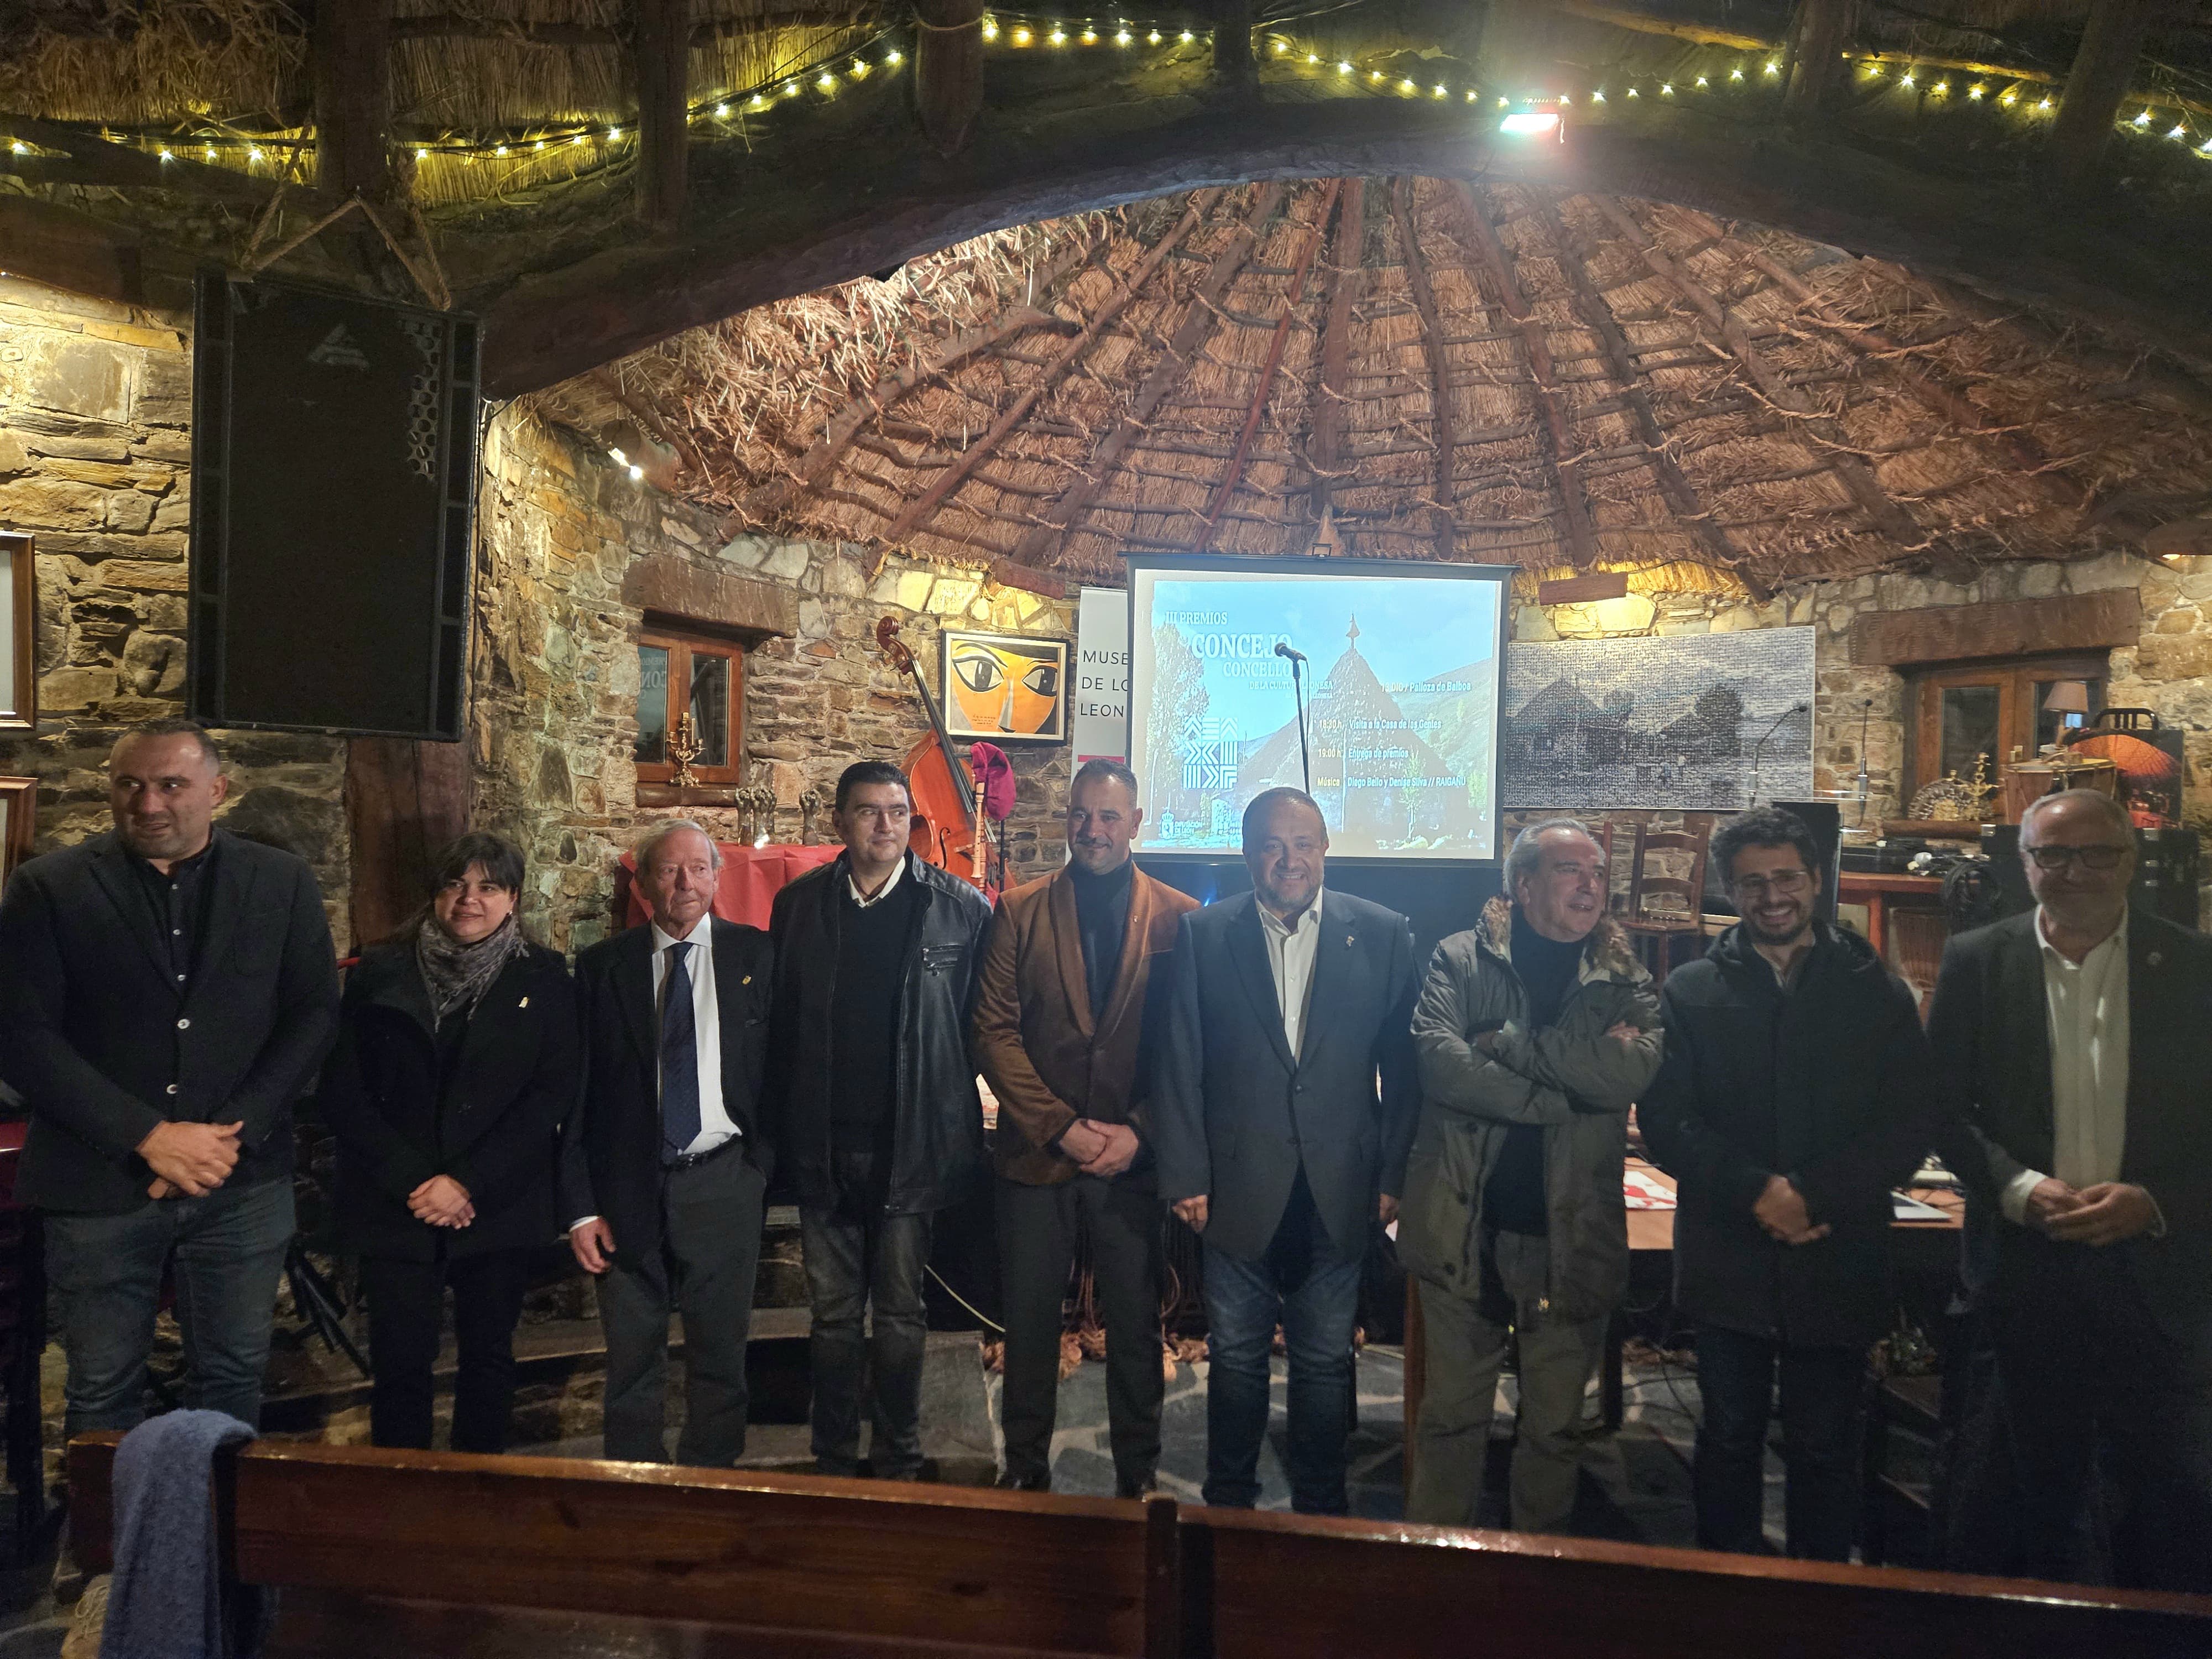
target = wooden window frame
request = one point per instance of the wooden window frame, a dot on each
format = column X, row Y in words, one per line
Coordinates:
column 2014, row 678
column 681, row 643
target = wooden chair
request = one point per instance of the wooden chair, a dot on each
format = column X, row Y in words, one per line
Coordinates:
column 1655, row 932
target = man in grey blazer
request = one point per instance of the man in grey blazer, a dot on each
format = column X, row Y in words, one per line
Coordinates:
column 1276, row 1143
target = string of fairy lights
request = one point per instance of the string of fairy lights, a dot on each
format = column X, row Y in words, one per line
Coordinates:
column 729, row 113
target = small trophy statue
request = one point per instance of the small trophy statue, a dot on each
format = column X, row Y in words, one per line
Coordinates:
column 810, row 803
column 684, row 747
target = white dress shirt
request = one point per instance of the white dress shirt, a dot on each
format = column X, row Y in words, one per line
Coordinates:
column 2088, row 1007
column 1291, row 948
column 864, row 900
column 714, row 1124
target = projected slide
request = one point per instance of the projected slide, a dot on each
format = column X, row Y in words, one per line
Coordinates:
column 1401, row 676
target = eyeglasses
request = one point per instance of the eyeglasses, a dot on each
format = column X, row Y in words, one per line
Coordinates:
column 2103, row 856
column 1782, row 881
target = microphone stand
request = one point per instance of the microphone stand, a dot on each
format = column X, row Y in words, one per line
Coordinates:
column 1298, row 695
column 1757, row 750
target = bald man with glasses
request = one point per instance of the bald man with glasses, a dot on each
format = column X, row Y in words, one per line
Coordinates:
column 2073, row 1039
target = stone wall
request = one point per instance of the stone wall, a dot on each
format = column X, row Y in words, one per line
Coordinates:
column 96, row 404
column 555, row 664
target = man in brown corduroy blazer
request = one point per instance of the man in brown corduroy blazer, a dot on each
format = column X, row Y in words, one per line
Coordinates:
column 1075, row 970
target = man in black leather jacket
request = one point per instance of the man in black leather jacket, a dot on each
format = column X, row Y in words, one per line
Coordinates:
column 879, row 1121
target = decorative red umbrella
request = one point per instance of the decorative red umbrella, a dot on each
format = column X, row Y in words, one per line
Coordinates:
column 2142, row 765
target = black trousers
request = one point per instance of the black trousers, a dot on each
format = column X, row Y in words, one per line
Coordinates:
column 2086, row 1379
column 703, row 1266
column 1037, row 1231
column 406, row 1308
column 1823, row 1393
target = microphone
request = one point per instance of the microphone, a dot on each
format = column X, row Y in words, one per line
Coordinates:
column 1285, row 648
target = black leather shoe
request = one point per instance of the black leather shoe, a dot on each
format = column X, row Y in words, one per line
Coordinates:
column 1008, row 1481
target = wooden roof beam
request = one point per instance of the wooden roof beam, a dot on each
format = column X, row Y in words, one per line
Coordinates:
column 1582, row 535
column 1681, row 495
column 1443, row 423
column 765, row 499
column 948, row 70
column 350, row 59
column 1227, row 487
column 955, row 475
column 1167, row 374
column 1326, row 458
column 1853, row 473
column 660, row 61
column 2095, row 86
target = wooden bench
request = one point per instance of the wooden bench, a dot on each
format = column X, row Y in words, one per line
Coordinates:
column 387, row 1554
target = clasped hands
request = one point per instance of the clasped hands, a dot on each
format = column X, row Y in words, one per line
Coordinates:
column 1781, row 1210
column 1104, row 1149
column 2106, row 1213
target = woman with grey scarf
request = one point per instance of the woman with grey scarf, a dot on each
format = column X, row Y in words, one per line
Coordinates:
column 456, row 1063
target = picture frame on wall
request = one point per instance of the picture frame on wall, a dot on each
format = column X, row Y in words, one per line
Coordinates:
column 19, row 822
column 19, row 634
column 1004, row 688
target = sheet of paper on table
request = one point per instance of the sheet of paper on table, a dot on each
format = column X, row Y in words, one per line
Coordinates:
column 1640, row 1191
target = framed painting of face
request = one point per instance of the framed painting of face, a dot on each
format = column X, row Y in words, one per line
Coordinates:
column 1005, row 688
column 19, row 620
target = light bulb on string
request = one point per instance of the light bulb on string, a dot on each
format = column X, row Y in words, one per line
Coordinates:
column 1187, row 37
column 990, row 28
column 893, row 59
column 2042, row 103
column 2143, row 120
column 1153, row 38
column 1058, row 37
column 1022, row 37
column 1667, row 89
column 1773, row 68
column 1940, row 89
column 1343, row 69
column 1632, row 92
column 827, row 83
column 2178, row 131
column 1566, row 98
column 1313, row 58
column 1089, row 36
column 1907, row 81
column 1598, row 97
column 721, row 112
column 1737, row 74
column 1975, row 93
column 1122, row 37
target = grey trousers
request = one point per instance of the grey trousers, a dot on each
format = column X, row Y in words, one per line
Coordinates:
column 702, row 1265
column 1466, row 1342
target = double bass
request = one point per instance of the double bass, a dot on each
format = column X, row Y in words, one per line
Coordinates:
column 947, row 829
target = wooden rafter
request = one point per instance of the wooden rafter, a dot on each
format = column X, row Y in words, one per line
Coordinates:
column 1167, row 374
column 1432, row 346
column 1876, row 346
column 349, row 60
column 1853, row 473
column 1620, row 357
column 1017, row 412
column 1327, row 459
column 1235, row 474
column 660, row 63
column 765, row 499
column 1550, row 406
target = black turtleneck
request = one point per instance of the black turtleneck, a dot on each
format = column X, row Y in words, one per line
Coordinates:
column 1513, row 1197
column 1101, row 918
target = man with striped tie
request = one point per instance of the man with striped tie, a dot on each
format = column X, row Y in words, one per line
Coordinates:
column 665, row 1164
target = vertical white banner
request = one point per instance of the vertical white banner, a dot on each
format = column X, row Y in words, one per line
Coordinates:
column 1101, row 675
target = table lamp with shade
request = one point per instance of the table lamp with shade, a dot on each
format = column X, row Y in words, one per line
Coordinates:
column 2069, row 700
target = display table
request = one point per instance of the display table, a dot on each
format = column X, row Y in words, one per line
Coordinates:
column 752, row 876
column 1879, row 892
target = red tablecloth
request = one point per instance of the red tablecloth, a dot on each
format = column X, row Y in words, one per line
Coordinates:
column 751, row 877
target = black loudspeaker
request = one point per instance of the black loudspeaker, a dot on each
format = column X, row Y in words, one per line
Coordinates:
column 334, row 463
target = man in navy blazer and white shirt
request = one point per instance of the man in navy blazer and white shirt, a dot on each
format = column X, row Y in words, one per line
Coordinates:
column 663, row 1166
column 1276, row 1142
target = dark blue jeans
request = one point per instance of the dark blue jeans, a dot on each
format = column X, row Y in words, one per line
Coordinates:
column 1822, row 1402
column 105, row 1274
column 864, row 1277
column 1244, row 1302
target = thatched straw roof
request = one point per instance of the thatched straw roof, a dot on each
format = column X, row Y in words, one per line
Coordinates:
column 1624, row 387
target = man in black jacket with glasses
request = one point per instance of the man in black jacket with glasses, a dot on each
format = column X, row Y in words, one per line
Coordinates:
column 1794, row 1095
